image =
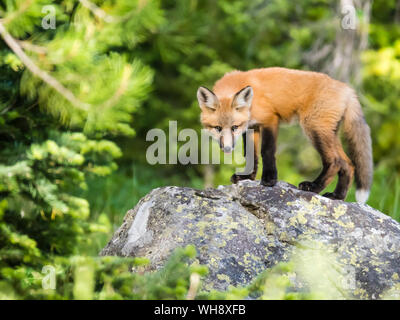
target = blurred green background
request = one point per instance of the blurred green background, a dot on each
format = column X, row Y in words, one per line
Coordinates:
column 73, row 127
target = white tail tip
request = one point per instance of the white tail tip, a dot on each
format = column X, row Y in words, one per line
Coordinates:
column 362, row 195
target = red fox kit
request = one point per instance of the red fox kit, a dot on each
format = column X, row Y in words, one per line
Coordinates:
column 262, row 98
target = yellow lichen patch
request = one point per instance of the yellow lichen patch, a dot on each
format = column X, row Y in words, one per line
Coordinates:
column 213, row 262
column 362, row 293
column 226, row 229
column 374, row 262
column 249, row 260
column 315, row 206
column 270, row 227
column 179, row 208
column 266, row 256
column 201, row 225
column 246, row 258
column 224, row 277
column 298, row 218
column 190, row 216
column 221, row 244
column 339, row 211
column 315, row 201
column 395, row 276
column 349, row 225
column 353, row 259
column 322, row 212
column 283, row 236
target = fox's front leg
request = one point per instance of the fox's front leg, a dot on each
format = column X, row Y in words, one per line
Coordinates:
column 253, row 157
column 268, row 148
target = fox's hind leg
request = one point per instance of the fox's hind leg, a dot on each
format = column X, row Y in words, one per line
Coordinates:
column 254, row 138
column 325, row 145
column 345, row 173
column 334, row 161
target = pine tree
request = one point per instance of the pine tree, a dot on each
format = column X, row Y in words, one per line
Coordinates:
column 64, row 92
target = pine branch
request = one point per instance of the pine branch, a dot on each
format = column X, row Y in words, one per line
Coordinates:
column 32, row 47
column 98, row 12
column 16, row 48
column 121, row 90
column 25, row 6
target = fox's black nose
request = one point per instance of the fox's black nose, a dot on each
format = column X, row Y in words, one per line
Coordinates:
column 227, row 149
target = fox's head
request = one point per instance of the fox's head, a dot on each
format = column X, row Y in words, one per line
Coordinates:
column 226, row 118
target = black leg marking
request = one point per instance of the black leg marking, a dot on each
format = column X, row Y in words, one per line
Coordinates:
column 237, row 177
column 244, row 136
column 342, row 185
column 268, row 148
column 329, row 167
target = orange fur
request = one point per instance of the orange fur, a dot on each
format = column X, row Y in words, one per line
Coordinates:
column 316, row 100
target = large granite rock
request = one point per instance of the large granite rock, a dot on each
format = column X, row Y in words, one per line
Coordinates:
column 241, row 230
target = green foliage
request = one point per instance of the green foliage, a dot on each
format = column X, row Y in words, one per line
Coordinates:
column 100, row 278
column 381, row 84
column 44, row 164
column 115, row 278
column 272, row 284
column 108, row 85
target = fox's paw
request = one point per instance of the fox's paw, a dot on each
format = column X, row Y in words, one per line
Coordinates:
column 268, row 183
column 235, row 178
column 333, row 196
column 238, row 177
column 308, row 186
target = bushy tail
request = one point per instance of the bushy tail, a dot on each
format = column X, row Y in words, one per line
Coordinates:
column 358, row 137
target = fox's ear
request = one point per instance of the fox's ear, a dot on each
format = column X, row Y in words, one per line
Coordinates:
column 243, row 98
column 207, row 98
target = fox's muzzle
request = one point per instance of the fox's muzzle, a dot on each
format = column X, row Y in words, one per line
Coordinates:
column 227, row 141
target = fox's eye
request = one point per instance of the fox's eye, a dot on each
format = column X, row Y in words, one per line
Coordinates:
column 218, row 128
column 234, row 128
